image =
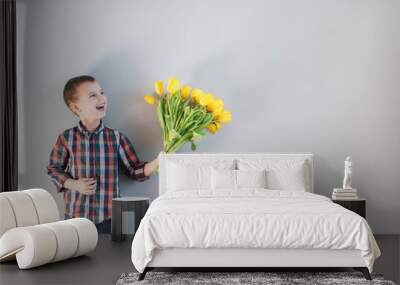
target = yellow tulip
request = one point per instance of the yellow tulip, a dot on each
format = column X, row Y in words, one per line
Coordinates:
column 185, row 92
column 149, row 99
column 224, row 117
column 158, row 87
column 197, row 97
column 216, row 106
column 173, row 85
column 217, row 112
column 213, row 127
column 206, row 99
column 196, row 94
column 209, row 99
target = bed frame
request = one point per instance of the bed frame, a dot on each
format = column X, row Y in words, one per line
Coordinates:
column 246, row 259
column 234, row 259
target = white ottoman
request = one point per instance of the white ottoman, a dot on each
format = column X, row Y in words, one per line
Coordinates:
column 31, row 233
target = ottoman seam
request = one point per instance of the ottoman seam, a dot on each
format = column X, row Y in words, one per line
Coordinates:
column 13, row 210
column 34, row 206
column 54, row 233
column 77, row 233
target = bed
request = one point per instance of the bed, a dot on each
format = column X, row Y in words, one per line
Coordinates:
column 244, row 211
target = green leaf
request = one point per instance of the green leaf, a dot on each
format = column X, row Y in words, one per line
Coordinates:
column 193, row 146
column 173, row 135
column 197, row 136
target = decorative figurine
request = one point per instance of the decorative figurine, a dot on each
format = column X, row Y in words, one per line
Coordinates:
column 347, row 173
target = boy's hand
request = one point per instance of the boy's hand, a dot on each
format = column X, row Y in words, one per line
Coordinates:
column 86, row 186
column 152, row 166
column 161, row 152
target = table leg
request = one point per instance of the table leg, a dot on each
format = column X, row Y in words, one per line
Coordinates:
column 116, row 222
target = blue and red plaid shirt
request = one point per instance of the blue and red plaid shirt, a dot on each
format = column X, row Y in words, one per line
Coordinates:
column 79, row 153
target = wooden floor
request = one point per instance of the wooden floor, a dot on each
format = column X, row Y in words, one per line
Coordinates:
column 111, row 259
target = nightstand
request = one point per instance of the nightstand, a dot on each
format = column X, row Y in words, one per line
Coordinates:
column 120, row 205
column 358, row 206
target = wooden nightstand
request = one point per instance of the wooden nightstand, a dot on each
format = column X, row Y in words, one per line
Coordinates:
column 358, row 206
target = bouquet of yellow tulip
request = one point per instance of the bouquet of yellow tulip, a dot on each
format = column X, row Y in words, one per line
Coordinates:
column 185, row 114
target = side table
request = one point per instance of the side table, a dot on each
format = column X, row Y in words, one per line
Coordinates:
column 357, row 205
column 139, row 205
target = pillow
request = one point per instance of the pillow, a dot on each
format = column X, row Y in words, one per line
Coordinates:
column 251, row 178
column 281, row 174
column 236, row 179
column 223, row 179
column 189, row 175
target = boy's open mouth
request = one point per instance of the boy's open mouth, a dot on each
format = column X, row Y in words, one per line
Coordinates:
column 100, row 108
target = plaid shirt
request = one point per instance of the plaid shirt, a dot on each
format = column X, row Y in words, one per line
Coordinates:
column 79, row 153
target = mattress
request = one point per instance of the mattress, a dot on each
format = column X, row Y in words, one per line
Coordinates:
column 250, row 219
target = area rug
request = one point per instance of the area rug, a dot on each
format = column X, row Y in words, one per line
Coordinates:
column 269, row 278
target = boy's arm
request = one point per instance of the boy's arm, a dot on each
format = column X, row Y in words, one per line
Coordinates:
column 130, row 161
column 58, row 163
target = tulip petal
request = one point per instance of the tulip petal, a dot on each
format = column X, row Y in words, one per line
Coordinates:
column 159, row 88
column 149, row 99
column 173, row 85
column 213, row 127
column 196, row 94
column 185, row 92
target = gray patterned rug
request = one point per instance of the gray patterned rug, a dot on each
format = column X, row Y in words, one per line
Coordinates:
column 229, row 278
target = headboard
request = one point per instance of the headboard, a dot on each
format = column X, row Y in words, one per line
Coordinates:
column 165, row 158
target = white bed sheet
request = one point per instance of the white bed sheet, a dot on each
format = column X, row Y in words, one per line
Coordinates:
column 250, row 218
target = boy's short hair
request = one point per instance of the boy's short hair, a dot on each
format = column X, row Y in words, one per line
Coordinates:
column 71, row 86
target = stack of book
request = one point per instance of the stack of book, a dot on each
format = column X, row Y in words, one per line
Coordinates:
column 344, row 194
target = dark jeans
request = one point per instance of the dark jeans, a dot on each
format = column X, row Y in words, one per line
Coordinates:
column 103, row 228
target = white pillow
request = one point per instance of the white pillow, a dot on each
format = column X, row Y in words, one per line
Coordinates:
column 251, row 178
column 227, row 179
column 189, row 175
column 223, row 179
column 281, row 174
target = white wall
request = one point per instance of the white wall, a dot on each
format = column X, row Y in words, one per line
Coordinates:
column 315, row 76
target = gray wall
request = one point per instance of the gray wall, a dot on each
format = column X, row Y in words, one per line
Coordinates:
column 315, row 76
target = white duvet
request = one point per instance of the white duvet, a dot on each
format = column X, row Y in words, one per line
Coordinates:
column 250, row 218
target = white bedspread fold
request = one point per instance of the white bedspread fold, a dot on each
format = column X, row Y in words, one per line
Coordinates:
column 250, row 218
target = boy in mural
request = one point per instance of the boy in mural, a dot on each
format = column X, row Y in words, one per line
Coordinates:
column 84, row 161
